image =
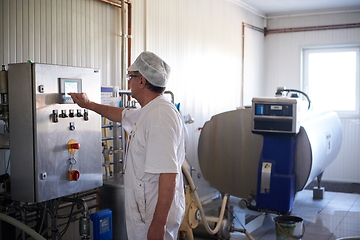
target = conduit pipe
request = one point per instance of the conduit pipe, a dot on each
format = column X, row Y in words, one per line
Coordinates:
column 124, row 35
column 262, row 30
column 313, row 28
column 21, row 226
column 116, row 4
column 305, row 14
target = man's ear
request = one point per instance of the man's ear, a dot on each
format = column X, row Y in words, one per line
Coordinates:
column 142, row 81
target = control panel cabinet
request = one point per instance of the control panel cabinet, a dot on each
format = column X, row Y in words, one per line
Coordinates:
column 277, row 115
column 55, row 145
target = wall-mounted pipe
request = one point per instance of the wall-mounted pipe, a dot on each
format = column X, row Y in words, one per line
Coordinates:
column 116, row 4
column 124, row 36
column 129, row 32
column 313, row 28
column 262, row 30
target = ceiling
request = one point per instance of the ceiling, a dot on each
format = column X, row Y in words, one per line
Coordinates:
column 281, row 7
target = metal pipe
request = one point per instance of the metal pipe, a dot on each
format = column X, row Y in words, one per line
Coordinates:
column 312, row 13
column 129, row 32
column 116, row 146
column 116, row 4
column 313, row 28
column 171, row 94
column 262, row 30
column 123, row 47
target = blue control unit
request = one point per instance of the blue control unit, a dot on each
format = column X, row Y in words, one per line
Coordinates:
column 102, row 225
column 276, row 177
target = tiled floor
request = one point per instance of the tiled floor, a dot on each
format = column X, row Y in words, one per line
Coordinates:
column 335, row 216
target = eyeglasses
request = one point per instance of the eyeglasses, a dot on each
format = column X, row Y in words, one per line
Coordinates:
column 129, row 76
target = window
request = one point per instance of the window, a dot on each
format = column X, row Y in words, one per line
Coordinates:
column 331, row 78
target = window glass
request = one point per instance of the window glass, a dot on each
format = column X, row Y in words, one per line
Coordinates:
column 331, row 79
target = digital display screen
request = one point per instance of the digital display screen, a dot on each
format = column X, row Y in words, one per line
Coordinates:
column 71, row 87
column 273, row 110
column 68, row 85
column 259, row 109
column 104, row 225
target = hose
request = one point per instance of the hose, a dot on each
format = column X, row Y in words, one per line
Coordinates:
column 21, row 226
column 244, row 231
column 298, row 91
column 197, row 199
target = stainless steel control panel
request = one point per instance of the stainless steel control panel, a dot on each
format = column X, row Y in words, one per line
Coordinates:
column 55, row 145
column 277, row 115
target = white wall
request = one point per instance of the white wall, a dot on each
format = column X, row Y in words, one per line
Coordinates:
column 283, row 68
column 202, row 42
column 82, row 33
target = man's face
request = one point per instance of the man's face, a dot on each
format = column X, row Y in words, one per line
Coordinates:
column 134, row 82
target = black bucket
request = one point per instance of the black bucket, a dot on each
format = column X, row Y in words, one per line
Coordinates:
column 289, row 227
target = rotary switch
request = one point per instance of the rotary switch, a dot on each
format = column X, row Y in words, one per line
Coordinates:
column 73, row 145
column 74, row 175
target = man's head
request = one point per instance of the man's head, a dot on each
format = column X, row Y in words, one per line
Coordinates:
column 152, row 67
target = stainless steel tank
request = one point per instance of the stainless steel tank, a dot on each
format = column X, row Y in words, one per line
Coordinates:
column 229, row 152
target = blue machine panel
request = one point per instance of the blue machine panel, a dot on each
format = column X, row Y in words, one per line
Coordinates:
column 276, row 178
column 102, row 224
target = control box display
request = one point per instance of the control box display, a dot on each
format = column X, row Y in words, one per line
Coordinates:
column 68, row 85
column 275, row 115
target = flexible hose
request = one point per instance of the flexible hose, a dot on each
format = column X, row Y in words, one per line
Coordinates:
column 298, row 91
column 197, row 199
column 244, row 231
column 21, row 226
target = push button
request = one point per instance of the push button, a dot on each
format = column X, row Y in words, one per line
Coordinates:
column 86, row 114
column 72, row 126
column 74, row 175
column 55, row 116
column 71, row 113
column 63, row 114
column 78, row 113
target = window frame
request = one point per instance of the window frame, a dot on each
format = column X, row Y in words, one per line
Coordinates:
column 327, row 49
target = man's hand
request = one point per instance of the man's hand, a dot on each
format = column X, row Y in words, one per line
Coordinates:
column 156, row 232
column 80, row 99
column 167, row 183
column 110, row 112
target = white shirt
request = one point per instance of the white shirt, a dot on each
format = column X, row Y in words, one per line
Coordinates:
column 156, row 137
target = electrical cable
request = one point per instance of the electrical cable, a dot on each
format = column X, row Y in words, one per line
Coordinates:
column 69, row 220
column 298, row 91
column 8, row 164
column 43, row 218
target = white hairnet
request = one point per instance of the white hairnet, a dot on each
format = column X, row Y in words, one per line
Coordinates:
column 152, row 67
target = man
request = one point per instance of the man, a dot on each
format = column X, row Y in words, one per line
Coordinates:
column 154, row 195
